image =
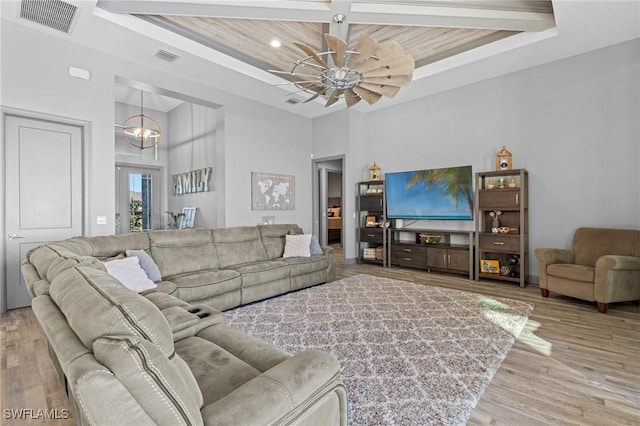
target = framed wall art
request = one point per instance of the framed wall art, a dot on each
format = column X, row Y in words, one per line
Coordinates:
column 188, row 218
column 271, row 191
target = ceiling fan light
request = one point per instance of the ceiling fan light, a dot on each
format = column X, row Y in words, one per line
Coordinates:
column 353, row 75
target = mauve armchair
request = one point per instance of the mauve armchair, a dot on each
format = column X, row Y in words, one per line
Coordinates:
column 602, row 266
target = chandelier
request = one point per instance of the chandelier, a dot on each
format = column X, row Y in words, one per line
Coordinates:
column 141, row 130
column 369, row 72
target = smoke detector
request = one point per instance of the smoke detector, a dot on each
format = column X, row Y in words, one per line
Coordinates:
column 165, row 55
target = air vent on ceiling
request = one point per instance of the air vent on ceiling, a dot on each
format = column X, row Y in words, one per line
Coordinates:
column 166, row 55
column 55, row 14
column 293, row 101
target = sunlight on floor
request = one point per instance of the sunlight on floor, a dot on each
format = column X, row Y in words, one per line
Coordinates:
column 512, row 323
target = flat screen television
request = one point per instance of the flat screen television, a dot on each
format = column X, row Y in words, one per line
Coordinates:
column 430, row 194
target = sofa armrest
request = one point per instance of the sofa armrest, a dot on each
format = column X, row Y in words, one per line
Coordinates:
column 549, row 256
column 331, row 256
column 327, row 249
column 284, row 394
column 184, row 318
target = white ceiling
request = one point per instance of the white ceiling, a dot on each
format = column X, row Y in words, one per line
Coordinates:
column 581, row 26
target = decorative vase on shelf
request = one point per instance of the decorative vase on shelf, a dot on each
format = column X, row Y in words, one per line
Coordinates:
column 495, row 226
column 490, row 184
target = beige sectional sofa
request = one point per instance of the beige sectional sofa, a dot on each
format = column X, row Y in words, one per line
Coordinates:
column 165, row 356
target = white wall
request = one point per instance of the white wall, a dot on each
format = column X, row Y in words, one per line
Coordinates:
column 192, row 143
column 263, row 139
column 573, row 124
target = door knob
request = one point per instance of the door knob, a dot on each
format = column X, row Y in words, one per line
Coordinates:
column 15, row 236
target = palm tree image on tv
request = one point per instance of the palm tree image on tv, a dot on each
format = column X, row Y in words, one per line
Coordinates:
column 445, row 193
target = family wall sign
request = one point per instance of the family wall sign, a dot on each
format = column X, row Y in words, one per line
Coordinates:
column 192, row 181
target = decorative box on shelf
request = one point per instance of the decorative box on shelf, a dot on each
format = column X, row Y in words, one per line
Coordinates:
column 369, row 253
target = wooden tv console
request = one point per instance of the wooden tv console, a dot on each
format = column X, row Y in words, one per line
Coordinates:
column 454, row 252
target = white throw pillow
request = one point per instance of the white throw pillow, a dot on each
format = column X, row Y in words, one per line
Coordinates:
column 297, row 246
column 130, row 274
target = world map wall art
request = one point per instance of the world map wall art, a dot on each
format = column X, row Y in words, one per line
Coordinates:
column 271, row 191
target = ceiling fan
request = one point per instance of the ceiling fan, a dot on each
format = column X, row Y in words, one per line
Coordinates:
column 369, row 72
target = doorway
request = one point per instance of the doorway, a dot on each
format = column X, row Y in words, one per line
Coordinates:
column 328, row 201
column 138, row 198
column 43, row 203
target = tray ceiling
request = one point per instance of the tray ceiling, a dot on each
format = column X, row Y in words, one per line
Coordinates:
column 428, row 30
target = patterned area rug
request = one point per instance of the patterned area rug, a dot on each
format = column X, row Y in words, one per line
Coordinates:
column 411, row 354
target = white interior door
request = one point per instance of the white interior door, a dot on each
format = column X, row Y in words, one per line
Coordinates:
column 44, row 195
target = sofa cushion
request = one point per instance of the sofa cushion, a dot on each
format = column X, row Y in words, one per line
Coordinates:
column 217, row 372
column 239, row 245
column 572, row 272
column 273, row 238
column 164, row 386
column 130, row 274
column 107, row 246
column 184, row 250
column 263, row 272
column 49, row 260
column 96, row 304
column 204, row 284
column 307, row 265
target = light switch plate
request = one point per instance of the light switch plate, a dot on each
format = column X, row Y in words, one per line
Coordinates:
column 101, row 220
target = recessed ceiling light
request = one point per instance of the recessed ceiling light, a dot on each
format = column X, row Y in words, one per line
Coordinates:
column 275, row 43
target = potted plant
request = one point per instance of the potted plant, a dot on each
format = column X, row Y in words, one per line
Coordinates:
column 174, row 220
column 495, row 223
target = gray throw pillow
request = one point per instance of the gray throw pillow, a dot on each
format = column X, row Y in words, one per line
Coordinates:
column 314, row 246
column 146, row 263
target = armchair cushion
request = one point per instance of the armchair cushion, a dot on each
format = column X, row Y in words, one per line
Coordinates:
column 572, row 272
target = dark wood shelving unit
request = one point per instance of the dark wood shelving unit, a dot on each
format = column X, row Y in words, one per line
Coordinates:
column 494, row 193
column 370, row 201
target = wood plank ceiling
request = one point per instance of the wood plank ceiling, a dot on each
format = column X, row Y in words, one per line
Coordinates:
column 429, row 30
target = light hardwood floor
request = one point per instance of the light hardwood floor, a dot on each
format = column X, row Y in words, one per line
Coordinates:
column 570, row 366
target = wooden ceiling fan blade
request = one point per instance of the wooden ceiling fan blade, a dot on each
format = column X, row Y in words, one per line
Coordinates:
column 313, row 97
column 351, row 97
column 404, row 61
column 339, row 47
column 367, row 95
column 309, row 51
column 381, row 59
column 390, row 80
column 366, row 46
column 388, row 91
column 405, row 66
column 333, row 98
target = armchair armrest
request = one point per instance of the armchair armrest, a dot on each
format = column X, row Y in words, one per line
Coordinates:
column 549, row 256
column 285, row 393
column 617, row 279
column 618, row 262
